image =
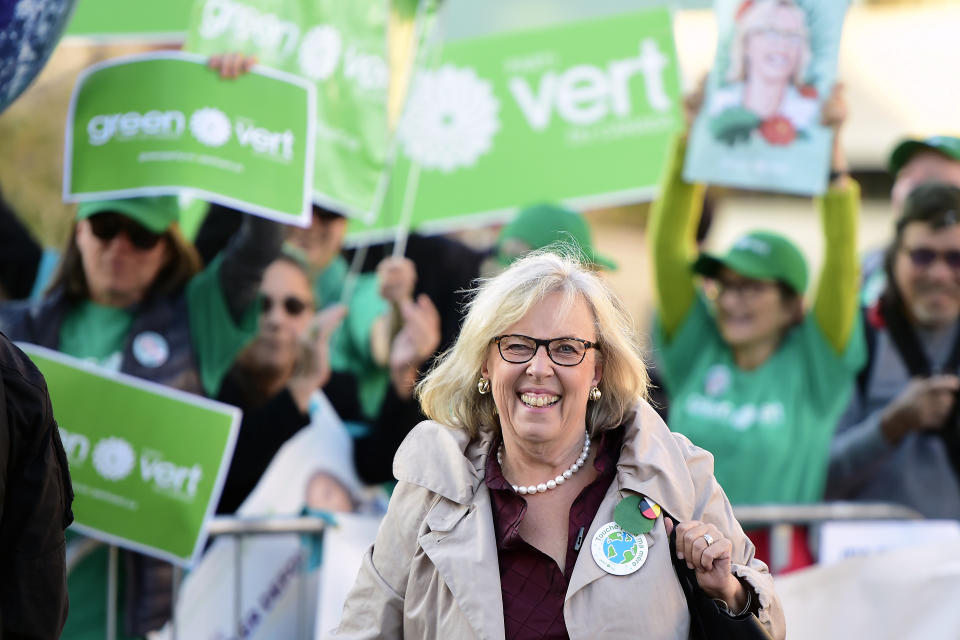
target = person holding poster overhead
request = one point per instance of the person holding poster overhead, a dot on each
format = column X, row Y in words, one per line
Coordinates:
column 129, row 297
column 545, row 497
column 750, row 373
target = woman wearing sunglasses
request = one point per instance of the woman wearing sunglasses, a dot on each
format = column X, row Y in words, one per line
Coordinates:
column 130, row 296
column 277, row 379
column 751, row 375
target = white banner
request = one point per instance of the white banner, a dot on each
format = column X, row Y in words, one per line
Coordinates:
column 896, row 595
column 274, row 592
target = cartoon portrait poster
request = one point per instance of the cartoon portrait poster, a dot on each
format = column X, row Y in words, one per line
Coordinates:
column 759, row 126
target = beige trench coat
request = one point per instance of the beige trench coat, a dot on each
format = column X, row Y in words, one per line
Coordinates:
column 433, row 570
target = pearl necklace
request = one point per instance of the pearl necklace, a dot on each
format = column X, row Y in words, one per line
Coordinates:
column 550, row 484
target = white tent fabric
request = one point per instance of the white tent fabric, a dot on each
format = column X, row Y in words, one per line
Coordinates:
column 894, row 595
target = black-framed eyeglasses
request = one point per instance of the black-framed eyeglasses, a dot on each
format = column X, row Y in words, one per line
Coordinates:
column 106, row 226
column 566, row 352
column 293, row 305
column 924, row 257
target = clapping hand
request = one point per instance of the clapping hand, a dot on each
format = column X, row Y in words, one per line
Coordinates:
column 311, row 371
column 418, row 339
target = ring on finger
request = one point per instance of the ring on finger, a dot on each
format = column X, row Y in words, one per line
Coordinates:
column 708, row 538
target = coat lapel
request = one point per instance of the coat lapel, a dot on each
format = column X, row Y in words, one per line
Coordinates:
column 461, row 544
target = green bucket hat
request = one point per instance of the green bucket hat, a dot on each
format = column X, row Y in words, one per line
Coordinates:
column 947, row 145
column 761, row 255
column 543, row 224
column 155, row 213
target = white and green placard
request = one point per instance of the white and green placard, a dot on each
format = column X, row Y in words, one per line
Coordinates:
column 760, row 124
column 164, row 123
column 580, row 112
column 147, row 462
column 340, row 47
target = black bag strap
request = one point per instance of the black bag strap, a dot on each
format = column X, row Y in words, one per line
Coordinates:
column 707, row 621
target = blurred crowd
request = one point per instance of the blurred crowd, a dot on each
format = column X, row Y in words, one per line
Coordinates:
column 843, row 391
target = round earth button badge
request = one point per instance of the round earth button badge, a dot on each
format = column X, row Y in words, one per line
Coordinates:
column 616, row 551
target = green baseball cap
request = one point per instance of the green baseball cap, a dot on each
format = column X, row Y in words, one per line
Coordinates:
column 156, row 213
column 947, row 145
column 762, row 255
column 541, row 225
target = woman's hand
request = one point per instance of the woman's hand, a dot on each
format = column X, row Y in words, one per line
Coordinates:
column 397, row 277
column 710, row 560
column 231, row 65
column 693, row 101
column 834, row 111
column 311, row 371
column 417, row 340
column 833, row 114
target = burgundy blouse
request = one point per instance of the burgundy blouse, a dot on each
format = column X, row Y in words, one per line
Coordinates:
column 532, row 585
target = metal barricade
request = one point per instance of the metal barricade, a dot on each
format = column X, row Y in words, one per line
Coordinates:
column 780, row 519
column 238, row 528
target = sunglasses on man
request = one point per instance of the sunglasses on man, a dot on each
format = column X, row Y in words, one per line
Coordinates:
column 924, row 257
column 106, row 226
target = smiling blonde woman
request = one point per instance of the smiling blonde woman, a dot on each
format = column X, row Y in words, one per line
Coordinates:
column 535, row 501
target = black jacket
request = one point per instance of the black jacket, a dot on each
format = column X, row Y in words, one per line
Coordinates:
column 35, row 499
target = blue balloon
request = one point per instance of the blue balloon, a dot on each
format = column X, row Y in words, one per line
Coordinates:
column 29, row 31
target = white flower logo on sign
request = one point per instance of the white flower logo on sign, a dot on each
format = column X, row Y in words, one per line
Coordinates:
column 113, row 458
column 320, row 52
column 451, row 119
column 210, row 126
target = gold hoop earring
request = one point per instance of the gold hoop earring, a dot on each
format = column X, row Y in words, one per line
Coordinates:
column 595, row 394
column 483, row 386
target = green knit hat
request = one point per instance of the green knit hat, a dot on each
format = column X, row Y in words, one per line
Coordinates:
column 761, row 255
column 947, row 145
column 155, row 213
column 543, row 224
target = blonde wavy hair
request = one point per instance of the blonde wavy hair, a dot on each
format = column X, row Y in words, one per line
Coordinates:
column 448, row 393
column 758, row 15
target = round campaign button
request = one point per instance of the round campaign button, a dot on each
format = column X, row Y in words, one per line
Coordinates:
column 617, row 551
column 150, row 349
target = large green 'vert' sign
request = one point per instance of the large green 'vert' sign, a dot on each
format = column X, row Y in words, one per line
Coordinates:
column 163, row 123
column 147, row 462
column 580, row 112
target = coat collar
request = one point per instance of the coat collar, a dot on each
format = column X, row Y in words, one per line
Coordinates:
column 443, row 460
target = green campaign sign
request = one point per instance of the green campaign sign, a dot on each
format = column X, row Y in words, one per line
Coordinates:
column 163, row 123
column 580, row 112
column 341, row 48
column 147, row 462
column 130, row 19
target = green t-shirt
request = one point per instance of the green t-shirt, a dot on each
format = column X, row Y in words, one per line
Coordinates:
column 97, row 333
column 769, row 429
column 350, row 344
